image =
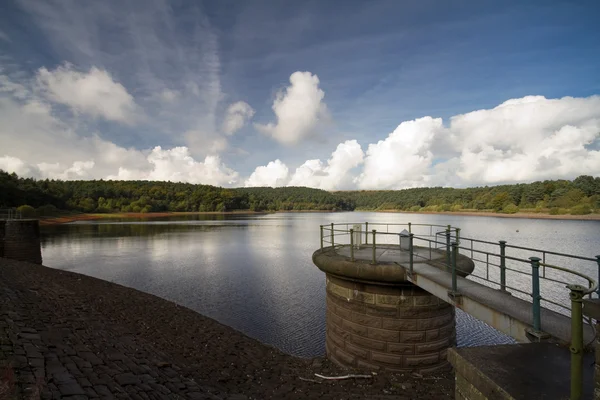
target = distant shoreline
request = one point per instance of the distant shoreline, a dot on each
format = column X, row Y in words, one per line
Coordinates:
column 94, row 216
column 586, row 217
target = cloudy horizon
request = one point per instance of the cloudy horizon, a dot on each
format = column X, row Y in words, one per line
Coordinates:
column 202, row 93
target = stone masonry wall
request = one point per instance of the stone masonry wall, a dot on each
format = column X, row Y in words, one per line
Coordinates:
column 2, row 228
column 22, row 240
column 395, row 328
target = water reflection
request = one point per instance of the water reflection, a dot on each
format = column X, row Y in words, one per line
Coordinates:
column 255, row 273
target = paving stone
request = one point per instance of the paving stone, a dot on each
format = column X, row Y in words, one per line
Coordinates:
column 127, row 379
column 30, row 336
column 90, row 392
column 102, row 390
column 71, row 389
column 91, row 358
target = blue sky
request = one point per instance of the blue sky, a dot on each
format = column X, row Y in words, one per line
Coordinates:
column 141, row 74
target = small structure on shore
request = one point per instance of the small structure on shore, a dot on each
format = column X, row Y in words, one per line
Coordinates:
column 20, row 240
column 376, row 318
column 391, row 300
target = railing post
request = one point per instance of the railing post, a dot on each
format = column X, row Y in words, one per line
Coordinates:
column 458, row 236
column 454, row 256
column 321, row 237
column 598, row 261
column 374, row 247
column 332, row 245
column 503, row 265
column 576, row 348
column 448, row 247
column 409, row 227
column 366, row 233
column 535, row 286
column 411, row 254
column 352, row 244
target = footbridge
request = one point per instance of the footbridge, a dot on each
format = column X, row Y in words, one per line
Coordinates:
column 392, row 290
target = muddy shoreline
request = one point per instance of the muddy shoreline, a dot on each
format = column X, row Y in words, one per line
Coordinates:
column 222, row 362
column 90, row 217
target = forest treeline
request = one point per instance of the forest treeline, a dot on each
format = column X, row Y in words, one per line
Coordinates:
column 47, row 197
column 100, row 196
column 580, row 196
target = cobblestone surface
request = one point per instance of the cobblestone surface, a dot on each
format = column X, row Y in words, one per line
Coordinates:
column 67, row 336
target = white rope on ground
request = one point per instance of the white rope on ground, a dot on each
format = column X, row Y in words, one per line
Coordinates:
column 344, row 377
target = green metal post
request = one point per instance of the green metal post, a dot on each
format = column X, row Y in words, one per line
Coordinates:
column 458, row 236
column 352, row 244
column 598, row 261
column 576, row 296
column 332, row 245
column 454, row 254
column 503, row 265
column 374, row 247
column 411, row 254
column 321, row 237
column 366, row 233
column 448, row 247
column 409, row 227
column 535, row 286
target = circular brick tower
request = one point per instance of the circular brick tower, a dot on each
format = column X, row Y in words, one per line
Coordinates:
column 377, row 319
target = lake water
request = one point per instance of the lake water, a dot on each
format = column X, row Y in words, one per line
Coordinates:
column 255, row 273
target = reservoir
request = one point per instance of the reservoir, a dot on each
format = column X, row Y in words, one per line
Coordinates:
column 254, row 272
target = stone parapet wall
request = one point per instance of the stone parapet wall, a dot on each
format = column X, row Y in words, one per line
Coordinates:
column 396, row 328
column 22, row 240
column 2, row 230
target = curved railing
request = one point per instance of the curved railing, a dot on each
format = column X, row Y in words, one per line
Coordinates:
column 499, row 265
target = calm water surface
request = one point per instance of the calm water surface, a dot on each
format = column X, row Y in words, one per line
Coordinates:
column 255, row 273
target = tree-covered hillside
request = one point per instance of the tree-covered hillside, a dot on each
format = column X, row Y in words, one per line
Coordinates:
column 580, row 196
column 145, row 196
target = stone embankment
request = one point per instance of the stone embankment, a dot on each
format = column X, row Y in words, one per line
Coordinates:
column 65, row 335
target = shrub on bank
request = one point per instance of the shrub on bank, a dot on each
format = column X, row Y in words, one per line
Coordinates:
column 26, row 211
column 510, row 209
column 558, row 211
column 581, row 209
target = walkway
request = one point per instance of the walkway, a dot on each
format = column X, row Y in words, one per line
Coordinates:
column 499, row 309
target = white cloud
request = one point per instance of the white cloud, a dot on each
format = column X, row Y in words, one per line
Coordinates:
column 403, row 159
column 528, row 139
column 334, row 175
column 274, row 174
column 35, row 142
column 237, row 115
column 94, row 93
column 298, row 109
column 177, row 165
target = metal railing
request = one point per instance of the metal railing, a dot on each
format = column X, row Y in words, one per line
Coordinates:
column 10, row 213
column 530, row 274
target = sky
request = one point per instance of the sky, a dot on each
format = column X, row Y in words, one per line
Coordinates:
column 338, row 95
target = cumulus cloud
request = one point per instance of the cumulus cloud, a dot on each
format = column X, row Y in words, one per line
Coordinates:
column 177, row 165
column 237, row 115
column 403, row 158
column 274, row 174
column 333, row 175
column 93, row 92
column 299, row 109
column 528, row 139
column 35, row 142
